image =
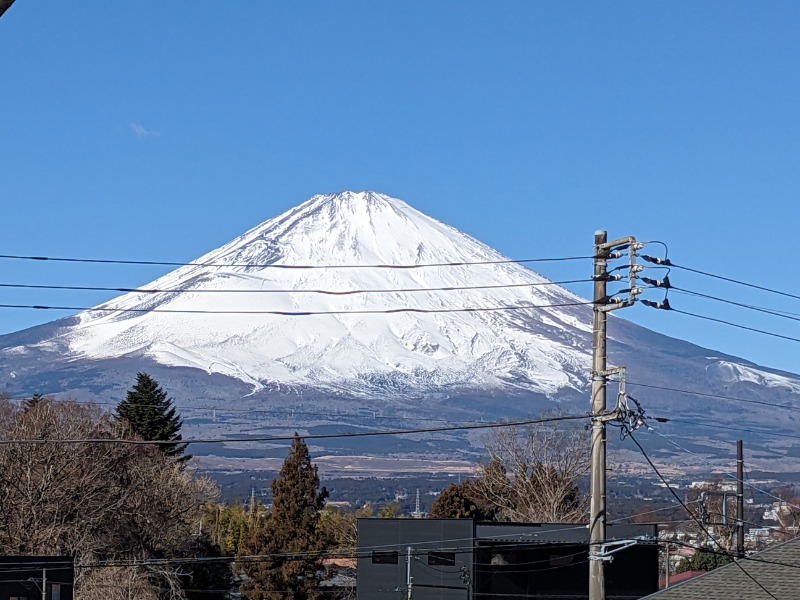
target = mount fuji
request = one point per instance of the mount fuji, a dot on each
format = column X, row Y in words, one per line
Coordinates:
column 354, row 307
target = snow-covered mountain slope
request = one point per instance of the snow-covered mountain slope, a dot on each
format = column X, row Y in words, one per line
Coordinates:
column 233, row 334
column 481, row 349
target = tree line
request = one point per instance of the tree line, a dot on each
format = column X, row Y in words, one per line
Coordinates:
column 128, row 512
column 101, row 502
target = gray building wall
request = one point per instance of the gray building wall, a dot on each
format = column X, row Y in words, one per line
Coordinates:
column 441, row 558
column 457, row 559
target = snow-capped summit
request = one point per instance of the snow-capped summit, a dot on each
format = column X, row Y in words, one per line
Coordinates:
column 211, row 315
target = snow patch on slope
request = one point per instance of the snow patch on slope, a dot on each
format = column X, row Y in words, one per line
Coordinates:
column 735, row 372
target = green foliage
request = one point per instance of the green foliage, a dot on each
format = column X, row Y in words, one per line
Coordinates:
column 338, row 528
column 288, row 537
column 703, row 560
column 148, row 413
column 459, row 501
column 227, row 525
column 390, row 510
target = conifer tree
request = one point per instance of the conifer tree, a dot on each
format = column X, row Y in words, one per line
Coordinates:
column 30, row 403
column 288, row 538
column 147, row 412
column 460, row 501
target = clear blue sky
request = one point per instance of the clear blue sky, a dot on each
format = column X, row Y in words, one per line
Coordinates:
column 160, row 130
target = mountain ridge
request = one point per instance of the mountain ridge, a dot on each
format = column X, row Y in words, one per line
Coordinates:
column 494, row 364
column 362, row 229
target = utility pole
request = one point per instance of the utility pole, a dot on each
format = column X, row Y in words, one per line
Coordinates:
column 597, row 510
column 409, row 579
column 739, row 500
column 603, row 251
column 44, row 584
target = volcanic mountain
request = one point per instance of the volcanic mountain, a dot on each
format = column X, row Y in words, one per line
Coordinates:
column 356, row 304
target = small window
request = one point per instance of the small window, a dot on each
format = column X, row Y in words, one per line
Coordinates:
column 384, row 558
column 55, row 591
column 442, row 559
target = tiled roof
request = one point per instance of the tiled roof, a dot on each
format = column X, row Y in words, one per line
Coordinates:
column 676, row 578
column 777, row 569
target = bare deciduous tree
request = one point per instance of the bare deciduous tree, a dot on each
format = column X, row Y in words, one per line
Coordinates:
column 787, row 512
column 533, row 473
column 97, row 501
column 713, row 504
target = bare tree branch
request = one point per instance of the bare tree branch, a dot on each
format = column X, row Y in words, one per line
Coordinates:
column 533, row 473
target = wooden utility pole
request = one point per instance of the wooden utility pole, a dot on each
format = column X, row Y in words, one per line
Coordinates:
column 409, row 579
column 603, row 252
column 739, row 499
column 597, row 509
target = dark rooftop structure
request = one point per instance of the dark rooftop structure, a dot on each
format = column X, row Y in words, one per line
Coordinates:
column 460, row 559
column 22, row 577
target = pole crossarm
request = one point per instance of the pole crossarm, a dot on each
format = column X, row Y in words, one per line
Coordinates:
column 609, row 548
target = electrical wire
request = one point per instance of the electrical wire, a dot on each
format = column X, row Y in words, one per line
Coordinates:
column 655, row 510
column 754, row 524
column 727, row 554
column 287, row 291
column 319, row 436
column 187, row 411
column 290, row 266
column 764, row 432
column 285, row 313
column 445, row 545
column 710, row 395
column 699, row 524
column 729, row 475
column 732, row 324
column 736, row 281
column 776, row 313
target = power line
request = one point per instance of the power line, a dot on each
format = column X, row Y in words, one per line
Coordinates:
column 730, row 323
column 718, row 426
column 729, row 475
column 723, row 553
column 666, row 306
column 754, row 524
column 731, row 280
column 462, row 546
column 290, row 266
column 740, row 429
column 768, row 311
column 186, row 411
column 285, row 313
column 648, row 512
column 80, row 288
column 426, row 419
column 710, row 395
column 320, row 436
column 691, row 514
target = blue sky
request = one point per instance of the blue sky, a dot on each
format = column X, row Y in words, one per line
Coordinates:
column 160, row 130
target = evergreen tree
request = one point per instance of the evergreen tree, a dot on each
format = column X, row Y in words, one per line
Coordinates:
column 147, row 412
column 459, row 501
column 703, row 560
column 288, row 537
column 33, row 401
